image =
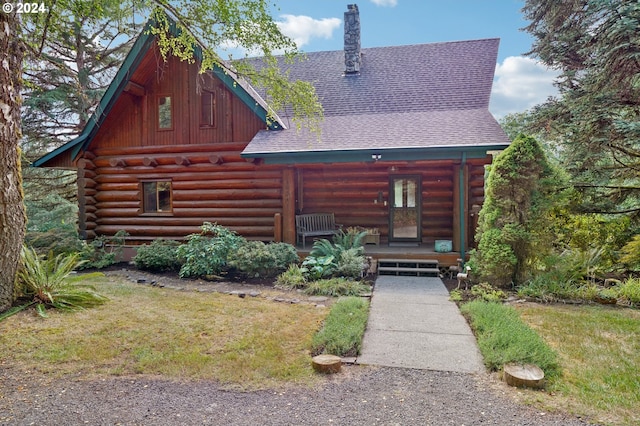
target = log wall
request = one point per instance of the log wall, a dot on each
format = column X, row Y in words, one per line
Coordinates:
column 230, row 191
column 352, row 191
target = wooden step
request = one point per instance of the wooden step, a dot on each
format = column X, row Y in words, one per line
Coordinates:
column 409, row 267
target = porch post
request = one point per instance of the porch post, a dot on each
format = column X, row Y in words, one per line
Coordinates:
column 288, row 206
column 460, row 206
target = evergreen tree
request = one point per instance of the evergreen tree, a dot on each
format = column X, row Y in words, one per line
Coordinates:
column 596, row 46
column 513, row 232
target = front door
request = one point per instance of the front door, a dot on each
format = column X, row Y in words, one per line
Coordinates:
column 404, row 215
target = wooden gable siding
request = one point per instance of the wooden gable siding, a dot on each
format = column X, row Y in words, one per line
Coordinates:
column 351, row 191
column 133, row 120
column 210, row 181
column 230, row 191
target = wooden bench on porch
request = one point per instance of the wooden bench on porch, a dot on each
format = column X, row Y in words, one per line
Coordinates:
column 315, row 224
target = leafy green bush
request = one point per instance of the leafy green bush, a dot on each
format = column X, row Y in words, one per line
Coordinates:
column 292, row 278
column 103, row 251
column 629, row 292
column 513, row 228
column 207, row 253
column 343, row 329
column 160, row 255
column 556, row 285
column 504, row 338
column 257, row 259
column 46, row 283
column 350, row 264
column 351, row 239
column 336, row 287
column 631, row 254
column 285, row 255
column 315, row 268
column 486, row 292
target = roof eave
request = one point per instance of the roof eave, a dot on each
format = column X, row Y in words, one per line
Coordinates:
column 368, row 155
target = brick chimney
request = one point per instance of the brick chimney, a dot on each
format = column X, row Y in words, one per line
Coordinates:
column 352, row 39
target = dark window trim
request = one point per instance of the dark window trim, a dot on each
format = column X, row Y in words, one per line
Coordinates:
column 213, row 121
column 142, row 198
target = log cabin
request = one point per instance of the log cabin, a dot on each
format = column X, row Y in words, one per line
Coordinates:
column 402, row 149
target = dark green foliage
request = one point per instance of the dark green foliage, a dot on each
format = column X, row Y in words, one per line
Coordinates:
column 285, row 255
column 342, row 257
column 504, row 338
column 103, row 251
column 343, row 329
column 595, row 44
column 207, row 253
column 257, row 259
column 160, row 255
column 513, row 229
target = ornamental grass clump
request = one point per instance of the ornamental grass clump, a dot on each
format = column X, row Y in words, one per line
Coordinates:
column 46, row 283
column 343, row 329
column 504, row 338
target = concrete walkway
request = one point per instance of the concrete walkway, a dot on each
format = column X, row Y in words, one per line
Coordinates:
column 413, row 324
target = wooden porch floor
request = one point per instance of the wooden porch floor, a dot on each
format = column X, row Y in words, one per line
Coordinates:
column 384, row 250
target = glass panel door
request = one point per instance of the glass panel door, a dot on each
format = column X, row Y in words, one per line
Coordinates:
column 405, row 209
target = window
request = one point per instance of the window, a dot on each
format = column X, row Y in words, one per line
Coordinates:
column 165, row 121
column 207, row 109
column 156, row 197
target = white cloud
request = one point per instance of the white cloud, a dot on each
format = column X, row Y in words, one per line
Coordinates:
column 519, row 84
column 303, row 28
column 390, row 3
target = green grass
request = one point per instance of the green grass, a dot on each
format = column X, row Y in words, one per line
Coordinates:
column 504, row 338
column 250, row 342
column 599, row 350
column 343, row 329
column 336, row 287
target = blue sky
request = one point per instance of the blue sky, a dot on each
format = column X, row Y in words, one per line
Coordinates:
column 520, row 82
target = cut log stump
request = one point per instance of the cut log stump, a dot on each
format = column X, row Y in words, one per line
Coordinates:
column 326, row 363
column 528, row 375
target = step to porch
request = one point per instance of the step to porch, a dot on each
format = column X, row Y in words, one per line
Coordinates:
column 409, row 267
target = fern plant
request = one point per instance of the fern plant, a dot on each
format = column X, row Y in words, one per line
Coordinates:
column 46, row 282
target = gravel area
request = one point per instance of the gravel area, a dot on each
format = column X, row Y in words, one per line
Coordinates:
column 356, row 396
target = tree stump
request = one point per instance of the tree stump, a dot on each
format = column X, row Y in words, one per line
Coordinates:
column 527, row 375
column 326, row 363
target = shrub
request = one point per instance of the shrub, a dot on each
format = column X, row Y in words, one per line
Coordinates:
column 629, row 292
column 351, row 239
column 206, row 254
column 103, row 251
column 631, row 254
column 343, row 329
column 292, row 278
column 160, row 255
column 315, row 268
column 504, row 338
column 513, row 228
column 350, row 264
column 285, row 255
column 336, row 287
column 486, row 292
column 45, row 282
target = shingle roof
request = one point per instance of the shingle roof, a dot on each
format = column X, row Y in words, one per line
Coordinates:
column 416, row 96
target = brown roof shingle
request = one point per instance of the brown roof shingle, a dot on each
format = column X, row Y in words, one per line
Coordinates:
column 416, row 96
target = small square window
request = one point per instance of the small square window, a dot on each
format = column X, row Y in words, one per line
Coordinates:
column 165, row 121
column 156, row 197
column 207, row 109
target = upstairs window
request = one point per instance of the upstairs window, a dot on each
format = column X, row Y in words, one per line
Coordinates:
column 165, row 119
column 156, row 197
column 207, row 108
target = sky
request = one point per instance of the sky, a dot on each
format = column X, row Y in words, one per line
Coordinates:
column 520, row 81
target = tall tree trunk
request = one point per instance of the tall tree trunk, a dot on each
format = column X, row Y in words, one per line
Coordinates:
column 12, row 214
